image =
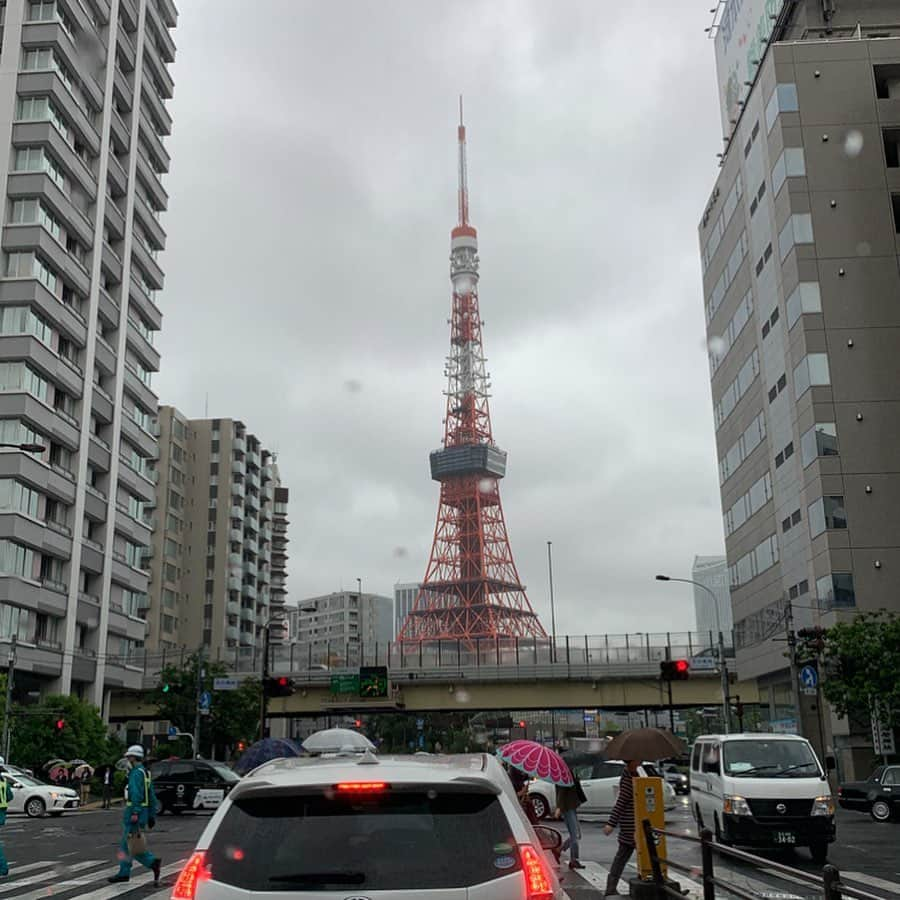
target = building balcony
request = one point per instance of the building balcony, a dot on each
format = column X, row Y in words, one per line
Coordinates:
column 234, row 559
column 235, row 535
column 250, row 568
column 237, row 512
column 247, row 613
column 248, row 590
column 238, row 490
column 233, row 608
column 248, row 637
column 234, row 583
column 231, row 632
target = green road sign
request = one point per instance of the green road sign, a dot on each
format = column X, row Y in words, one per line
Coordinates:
column 373, row 681
column 345, row 684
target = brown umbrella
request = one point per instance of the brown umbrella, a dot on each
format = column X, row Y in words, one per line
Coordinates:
column 644, row 743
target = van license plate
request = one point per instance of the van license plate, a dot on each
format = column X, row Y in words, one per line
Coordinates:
column 785, row 837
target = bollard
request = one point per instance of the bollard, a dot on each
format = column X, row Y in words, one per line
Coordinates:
column 831, row 878
column 706, row 855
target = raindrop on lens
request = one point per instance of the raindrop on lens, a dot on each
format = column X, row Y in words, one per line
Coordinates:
column 716, row 345
column 486, row 485
column 853, row 143
column 400, row 552
column 432, row 794
column 353, row 386
column 461, row 696
column 864, row 248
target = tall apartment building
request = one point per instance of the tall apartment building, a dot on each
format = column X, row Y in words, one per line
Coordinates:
column 405, row 594
column 215, row 557
column 802, row 289
column 345, row 617
column 83, row 119
column 712, row 573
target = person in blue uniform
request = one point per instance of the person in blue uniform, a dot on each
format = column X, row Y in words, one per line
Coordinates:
column 139, row 815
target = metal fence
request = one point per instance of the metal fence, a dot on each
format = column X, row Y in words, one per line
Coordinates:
column 568, row 652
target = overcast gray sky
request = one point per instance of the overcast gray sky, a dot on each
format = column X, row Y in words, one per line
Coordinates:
column 312, row 194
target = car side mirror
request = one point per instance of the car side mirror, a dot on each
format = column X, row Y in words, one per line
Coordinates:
column 830, row 763
column 17, row 784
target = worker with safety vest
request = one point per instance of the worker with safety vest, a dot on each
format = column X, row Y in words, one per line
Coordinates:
column 139, row 815
column 6, row 795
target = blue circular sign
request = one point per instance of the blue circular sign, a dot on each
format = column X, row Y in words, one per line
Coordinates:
column 809, row 677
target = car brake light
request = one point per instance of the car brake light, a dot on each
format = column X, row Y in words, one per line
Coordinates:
column 361, row 787
column 191, row 875
column 537, row 875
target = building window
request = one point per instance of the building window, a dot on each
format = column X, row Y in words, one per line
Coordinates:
column 733, row 393
column 758, row 560
column 16, row 497
column 30, row 265
column 805, row 298
column 732, row 266
column 41, row 109
column 17, row 376
column 820, row 440
column 812, row 371
column 797, row 230
column 783, row 99
column 721, row 223
column 835, row 591
column 134, row 555
column 36, row 159
column 16, row 559
column 719, row 348
column 751, row 502
column 827, row 513
column 791, row 164
column 21, row 320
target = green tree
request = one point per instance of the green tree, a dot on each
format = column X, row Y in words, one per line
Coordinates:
column 862, row 659
column 234, row 715
column 35, row 737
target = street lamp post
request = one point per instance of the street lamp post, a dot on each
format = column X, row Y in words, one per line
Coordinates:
column 28, row 448
column 723, row 667
column 552, row 604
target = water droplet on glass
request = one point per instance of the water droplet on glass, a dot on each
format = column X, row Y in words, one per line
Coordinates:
column 432, row 794
column 487, row 485
column 716, row 345
column 353, row 386
column 461, row 695
column 400, row 552
column 864, row 248
column 853, row 142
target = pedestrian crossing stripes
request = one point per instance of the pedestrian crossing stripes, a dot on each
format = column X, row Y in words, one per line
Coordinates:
column 62, row 881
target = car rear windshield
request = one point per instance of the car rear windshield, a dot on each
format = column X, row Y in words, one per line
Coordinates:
column 386, row 841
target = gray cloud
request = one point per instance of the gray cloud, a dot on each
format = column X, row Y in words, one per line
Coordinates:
column 313, row 190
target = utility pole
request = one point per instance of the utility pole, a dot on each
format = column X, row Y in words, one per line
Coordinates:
column 201, row 675
column 552, row 604
column 263, row 698
column 795, row 673
column 10, row 677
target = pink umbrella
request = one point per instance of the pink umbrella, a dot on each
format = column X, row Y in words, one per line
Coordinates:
column 538, row 761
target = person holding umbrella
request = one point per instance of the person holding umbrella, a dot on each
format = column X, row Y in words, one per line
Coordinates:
column 568, row 799
column 622, row 816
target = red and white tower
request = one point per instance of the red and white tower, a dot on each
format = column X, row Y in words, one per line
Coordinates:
column 471, row 588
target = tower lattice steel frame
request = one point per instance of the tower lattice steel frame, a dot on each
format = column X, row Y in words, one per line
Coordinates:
column 471, row 587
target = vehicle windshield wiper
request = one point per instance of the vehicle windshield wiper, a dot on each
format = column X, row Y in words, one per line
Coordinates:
column 754, row 769
column 320, row 878
column 792, row 768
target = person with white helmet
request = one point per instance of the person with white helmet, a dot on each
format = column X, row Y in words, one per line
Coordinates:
column 138, row 815
column 6, row 795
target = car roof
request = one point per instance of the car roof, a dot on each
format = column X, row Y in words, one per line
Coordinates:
column 368, row 767
column 751, row 736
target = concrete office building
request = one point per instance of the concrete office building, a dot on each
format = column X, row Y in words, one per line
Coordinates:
column 405, row 594
column 213, row 556
column 83, row 119
column 345, row 618
column 712, row 573
column 799, row 248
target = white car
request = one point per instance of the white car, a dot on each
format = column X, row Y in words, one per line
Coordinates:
column 396, row 828
column 34, row 798
column 600, row 780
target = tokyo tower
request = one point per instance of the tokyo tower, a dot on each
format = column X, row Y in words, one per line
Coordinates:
column 471, row 587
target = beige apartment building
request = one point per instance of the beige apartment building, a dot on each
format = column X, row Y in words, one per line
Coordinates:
column 218, row 563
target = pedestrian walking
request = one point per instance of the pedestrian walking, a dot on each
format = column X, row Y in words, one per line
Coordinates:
column 568, row 799
column 6, row 795
column 107, row 787
column 622, row 816
column 139, row 815
column 85, row 785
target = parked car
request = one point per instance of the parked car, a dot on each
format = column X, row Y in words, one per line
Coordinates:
column 878, row 795
column 354, row 827
column 762, row 790
column 34, row 797
column 185, row 784
column 600, row 779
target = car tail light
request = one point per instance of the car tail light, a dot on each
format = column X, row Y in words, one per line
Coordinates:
column 840, row 792
column 360, row 787
column 191, row 875
column 538, row 884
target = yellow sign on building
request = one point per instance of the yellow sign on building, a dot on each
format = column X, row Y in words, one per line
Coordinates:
column 649, row 803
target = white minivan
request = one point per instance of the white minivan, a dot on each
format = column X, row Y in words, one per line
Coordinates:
column 762, row 790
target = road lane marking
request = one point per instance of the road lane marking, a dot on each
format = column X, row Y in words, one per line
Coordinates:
column 53, row 873
column 871, row 880
column 116, row 890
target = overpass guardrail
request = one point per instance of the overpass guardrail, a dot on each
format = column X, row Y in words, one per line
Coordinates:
column 568, row 656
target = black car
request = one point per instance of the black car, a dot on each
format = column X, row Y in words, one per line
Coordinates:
column 182, row 784
column 679, row 780
column 878, row 795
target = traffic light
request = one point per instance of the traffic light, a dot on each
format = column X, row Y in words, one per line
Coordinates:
column 522, row 723
column 674, row 669
column 357, row 723
column 60, row 725
column 282, row 686
column 241, row 746
column 166, row 688
column 813, row 637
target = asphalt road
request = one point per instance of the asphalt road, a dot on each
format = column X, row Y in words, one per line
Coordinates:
column 71, row 856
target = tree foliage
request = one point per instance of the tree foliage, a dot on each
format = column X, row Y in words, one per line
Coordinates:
column 35, row 738
column 862, row 660
column 234, row 715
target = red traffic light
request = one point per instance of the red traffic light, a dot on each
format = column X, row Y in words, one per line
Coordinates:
column 283, row 681
column 682, row 665
column 522, row 723
column 357, row 723
column 60, row 724
column 674, row 669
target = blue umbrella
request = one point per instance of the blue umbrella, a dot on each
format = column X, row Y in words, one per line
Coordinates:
column 265, row 750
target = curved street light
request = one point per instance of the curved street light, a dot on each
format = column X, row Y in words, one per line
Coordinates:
column 723, row 666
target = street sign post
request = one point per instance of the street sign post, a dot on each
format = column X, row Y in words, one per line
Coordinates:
column 882, row 738
column 226, row 684
column 173, row 731
column 205, row 702
column 809, row 680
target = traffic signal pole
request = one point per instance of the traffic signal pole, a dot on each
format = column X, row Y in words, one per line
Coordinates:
column 263, row 694
column 7, row 713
